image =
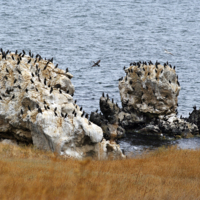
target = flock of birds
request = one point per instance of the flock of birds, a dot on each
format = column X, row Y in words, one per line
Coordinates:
column 37, row 63
column 142, row 64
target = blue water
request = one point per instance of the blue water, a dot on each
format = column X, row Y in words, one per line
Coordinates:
column 76, row 33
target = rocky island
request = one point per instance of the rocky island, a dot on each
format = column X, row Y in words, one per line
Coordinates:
column 149, row 95
column 37, row 107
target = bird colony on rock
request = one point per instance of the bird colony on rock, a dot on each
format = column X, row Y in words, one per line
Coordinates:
column 37, row 106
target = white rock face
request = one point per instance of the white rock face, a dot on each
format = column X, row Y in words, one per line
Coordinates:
column 36, row 105
column 150, row 89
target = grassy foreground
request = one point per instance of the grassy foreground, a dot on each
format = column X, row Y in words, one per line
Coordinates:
column 26, row 173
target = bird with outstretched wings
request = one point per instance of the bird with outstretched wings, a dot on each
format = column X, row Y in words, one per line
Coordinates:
column 96, row 63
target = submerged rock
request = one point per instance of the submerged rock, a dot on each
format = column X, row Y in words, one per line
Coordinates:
column 37, row 106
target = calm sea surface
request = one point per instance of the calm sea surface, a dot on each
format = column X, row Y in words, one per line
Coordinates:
column 77, row 32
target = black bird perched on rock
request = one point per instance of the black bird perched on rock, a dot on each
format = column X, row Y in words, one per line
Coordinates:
column 39, row 110
column 62, row 115
column 36, row 89
column 51, row 90
column 18, row 62
column 15, row 81
column 75, row 101
column 66, row 115
column 29, row 53
column 120, row 79
column 32, row 74
column 45, row 81
column 97, row 111
column 29, row 108
column 6, row 77
column 0, row 98
column 23, row 52
column 83, row 114
column 7, row 70
column 51, row 60
column 103, row 94
column 18, row 71
column 45, row 107
column 48, row 107
column 107, row 96
column 96, row 63
column 67, row 70
column 60, row 91
column 16, row 52
column 22, row 112
column 26, row 90
column 32, row 81
column 56, row 66
column 81, row 108
column 29, row 61
column 13, row 97
column 174, row 67
column 19, row 87
column 13, row 57
column 86, row 116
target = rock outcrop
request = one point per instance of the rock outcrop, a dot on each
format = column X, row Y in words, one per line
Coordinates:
column 37, row 106
column 149, row 96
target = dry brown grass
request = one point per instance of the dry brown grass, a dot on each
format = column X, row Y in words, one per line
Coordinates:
column 26, row 173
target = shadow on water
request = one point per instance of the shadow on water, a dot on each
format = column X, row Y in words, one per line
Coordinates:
column 137, row 144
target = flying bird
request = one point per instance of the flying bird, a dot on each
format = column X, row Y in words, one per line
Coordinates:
column 168, row 52
column 96, row 63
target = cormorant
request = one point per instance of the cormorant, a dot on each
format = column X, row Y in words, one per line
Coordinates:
column 16, row 52
column 19, row 87
column 32, row 81
column 67, row 70
column 29, row 61
column 13, row 57
column 29, row 108
column 60, row 91
column 18, row 62
column 13, row 97
column 45, row 81
column 51, row 90
column 26, row 90
column 22, row 112
column 15, row 81
column 96, row 63
column 36, row 89
column 56, row 66
column 120, row 79
column 66, row 115
column 81, row 108
column 103, row 94
column 82, row 114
